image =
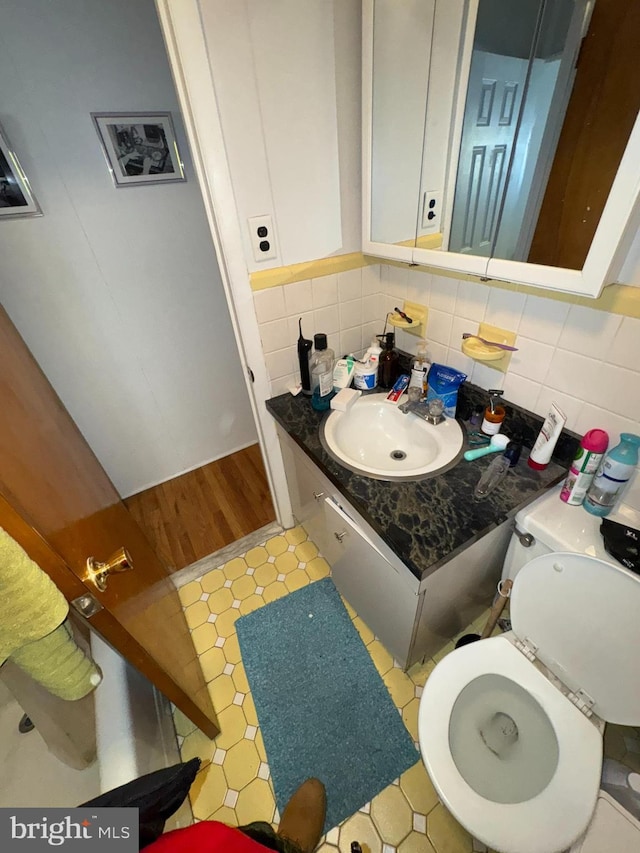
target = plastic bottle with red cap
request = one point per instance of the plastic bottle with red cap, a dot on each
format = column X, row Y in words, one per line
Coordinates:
column 584, row 466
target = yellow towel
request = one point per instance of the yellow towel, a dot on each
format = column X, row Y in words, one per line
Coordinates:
column 59, row 664
column 32, row 612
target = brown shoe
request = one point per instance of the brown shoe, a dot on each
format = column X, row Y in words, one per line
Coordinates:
column 303, row 818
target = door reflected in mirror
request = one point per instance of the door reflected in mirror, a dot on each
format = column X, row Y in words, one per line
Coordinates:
column 498, row 127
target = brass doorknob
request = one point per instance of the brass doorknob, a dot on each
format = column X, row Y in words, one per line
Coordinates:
column 98, row 573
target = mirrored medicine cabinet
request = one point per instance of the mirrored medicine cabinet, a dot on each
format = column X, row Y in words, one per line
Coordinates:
column 502, row 138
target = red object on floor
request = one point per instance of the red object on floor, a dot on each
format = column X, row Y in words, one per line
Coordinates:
column 209, row 836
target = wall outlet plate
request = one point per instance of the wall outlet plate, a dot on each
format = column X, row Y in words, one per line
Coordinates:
column 431, row 211
column 263, row 237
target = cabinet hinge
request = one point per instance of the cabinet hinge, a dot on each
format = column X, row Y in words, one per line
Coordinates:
column 582, row 701
column 527, row 648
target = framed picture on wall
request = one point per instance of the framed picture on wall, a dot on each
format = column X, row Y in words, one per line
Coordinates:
column 140, row 148
column 16, row 198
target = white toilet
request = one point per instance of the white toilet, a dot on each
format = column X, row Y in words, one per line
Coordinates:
column 511, row 728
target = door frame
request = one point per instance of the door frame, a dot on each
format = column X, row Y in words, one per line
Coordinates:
column 183, row 34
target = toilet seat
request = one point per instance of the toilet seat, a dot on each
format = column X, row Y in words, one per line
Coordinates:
column 558, row 815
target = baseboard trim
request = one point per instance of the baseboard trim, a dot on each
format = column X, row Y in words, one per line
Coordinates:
column 223, row 555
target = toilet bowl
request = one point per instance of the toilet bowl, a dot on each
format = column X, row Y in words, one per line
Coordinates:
column 510, row 728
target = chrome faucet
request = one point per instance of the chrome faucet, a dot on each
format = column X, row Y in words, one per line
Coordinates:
column 430, row 411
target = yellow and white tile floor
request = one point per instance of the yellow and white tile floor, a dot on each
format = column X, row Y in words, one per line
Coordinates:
column 234, row 784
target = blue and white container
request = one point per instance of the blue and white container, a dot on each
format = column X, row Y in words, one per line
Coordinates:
column 365, row 374
column 613, row 475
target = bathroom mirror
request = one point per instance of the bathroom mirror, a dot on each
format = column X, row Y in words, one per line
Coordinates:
column 499, row 137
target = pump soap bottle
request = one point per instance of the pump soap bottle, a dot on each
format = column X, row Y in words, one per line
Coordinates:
column 493, row 414
column 389, row 362
column 420, row 368
column 304, row 354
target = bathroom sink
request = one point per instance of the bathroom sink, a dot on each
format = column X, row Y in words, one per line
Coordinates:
column 376, row 439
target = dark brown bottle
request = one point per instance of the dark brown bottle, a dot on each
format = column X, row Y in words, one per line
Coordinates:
column 388, row 362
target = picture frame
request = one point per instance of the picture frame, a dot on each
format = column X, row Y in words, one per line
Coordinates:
column 140, row 148
column 16, row 197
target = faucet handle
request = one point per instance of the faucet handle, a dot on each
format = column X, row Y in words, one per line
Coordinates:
column 435, row 409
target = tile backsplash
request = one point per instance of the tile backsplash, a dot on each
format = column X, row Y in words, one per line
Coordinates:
column 347, row 306
column 584, row 359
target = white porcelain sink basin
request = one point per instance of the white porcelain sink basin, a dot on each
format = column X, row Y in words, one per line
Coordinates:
column 376, row 439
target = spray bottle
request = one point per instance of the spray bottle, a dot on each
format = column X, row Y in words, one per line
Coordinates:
column 583, row 468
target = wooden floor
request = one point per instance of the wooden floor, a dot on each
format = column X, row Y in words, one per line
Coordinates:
column 198, row 513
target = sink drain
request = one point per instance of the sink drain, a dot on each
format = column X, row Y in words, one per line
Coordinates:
column 398, row 455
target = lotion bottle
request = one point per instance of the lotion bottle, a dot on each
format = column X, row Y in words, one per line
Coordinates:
column 553, row 425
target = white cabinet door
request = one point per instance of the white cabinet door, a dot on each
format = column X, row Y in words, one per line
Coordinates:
column 374, row 588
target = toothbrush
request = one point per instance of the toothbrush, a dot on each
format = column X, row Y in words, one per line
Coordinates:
column 466, row 335
column 403, row 315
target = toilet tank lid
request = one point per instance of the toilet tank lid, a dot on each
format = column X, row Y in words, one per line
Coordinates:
column 610, row 828
column 582, row 615
column 569, row 528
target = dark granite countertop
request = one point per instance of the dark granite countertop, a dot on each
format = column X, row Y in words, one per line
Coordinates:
column 427, row 522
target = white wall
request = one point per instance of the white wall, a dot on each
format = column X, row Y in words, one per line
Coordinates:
column 345, row 306
column 292, row 141
column 116, row 291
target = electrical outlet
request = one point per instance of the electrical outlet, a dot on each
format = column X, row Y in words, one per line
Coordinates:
column 263, row 237
column 431, row 210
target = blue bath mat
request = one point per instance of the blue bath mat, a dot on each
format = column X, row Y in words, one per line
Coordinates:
column 322, row 707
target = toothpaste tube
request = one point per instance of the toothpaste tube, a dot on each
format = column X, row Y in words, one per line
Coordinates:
column 398, row 389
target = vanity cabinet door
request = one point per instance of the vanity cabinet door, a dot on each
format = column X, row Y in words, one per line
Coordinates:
column 307, row 490
column 370, row 583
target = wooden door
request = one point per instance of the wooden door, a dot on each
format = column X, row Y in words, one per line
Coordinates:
column 58, row 502
column 602, row 110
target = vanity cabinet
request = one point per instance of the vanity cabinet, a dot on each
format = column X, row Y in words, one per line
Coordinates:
column 413, row 618
column 382, row 590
